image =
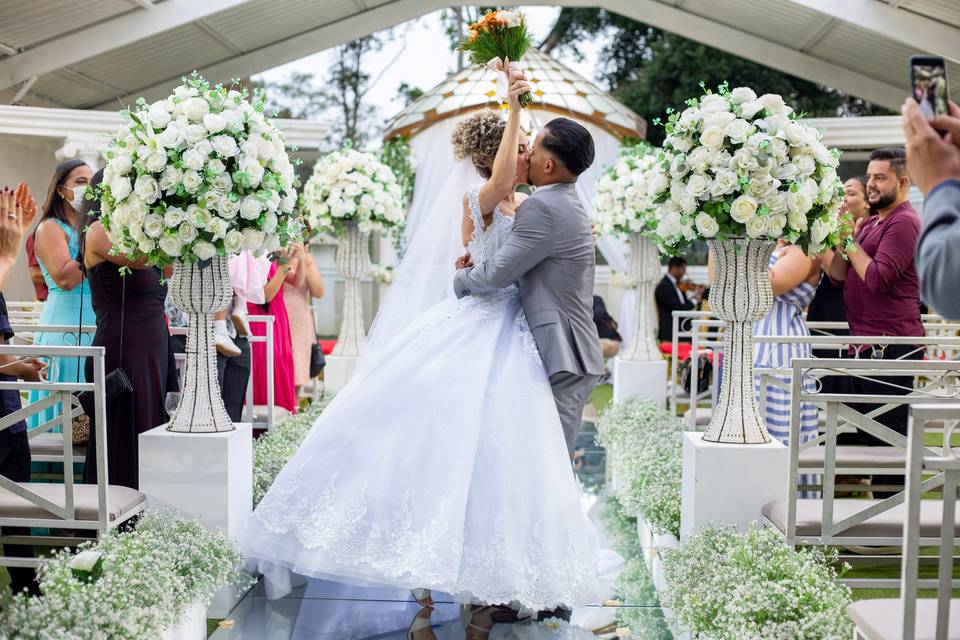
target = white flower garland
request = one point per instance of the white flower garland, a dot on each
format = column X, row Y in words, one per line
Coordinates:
column 198, row 174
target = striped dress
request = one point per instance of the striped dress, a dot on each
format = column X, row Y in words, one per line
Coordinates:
column 785, row 319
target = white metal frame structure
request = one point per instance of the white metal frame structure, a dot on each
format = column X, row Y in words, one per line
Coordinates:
column 60, row 510
column 100, row 51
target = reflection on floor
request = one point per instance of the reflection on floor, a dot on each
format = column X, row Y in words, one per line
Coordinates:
column 326, row 610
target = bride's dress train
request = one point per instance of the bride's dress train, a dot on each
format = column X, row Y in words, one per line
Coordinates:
column 441, row 465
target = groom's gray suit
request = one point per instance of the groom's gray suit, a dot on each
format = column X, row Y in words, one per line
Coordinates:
column 550, row 252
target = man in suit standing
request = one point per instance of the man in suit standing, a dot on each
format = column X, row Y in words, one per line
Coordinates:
column 670, row 298
column 550, row 252
column 934, row 166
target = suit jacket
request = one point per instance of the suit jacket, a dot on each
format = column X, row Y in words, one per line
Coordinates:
column 550, row 252
column 938, row 249
column 667, row 302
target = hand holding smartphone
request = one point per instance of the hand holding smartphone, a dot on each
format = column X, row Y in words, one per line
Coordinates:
column 928, row 78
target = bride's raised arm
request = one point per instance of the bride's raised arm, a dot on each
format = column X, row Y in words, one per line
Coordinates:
column 502, row 181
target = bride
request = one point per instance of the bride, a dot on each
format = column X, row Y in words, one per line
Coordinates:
column 442, row 464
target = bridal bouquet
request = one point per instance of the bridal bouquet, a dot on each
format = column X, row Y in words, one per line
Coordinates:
column 738, row 165
column 498, row 36
column 624, row 201
column 201, row 173
column 350, row 186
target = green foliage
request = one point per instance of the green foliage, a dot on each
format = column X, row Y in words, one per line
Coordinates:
column 641, row 611
column 651, row 70
column 620, row 527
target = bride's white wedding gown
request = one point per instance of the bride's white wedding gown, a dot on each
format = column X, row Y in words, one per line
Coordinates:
column 442, row 464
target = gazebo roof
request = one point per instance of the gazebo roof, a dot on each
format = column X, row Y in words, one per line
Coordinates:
column 556, row 88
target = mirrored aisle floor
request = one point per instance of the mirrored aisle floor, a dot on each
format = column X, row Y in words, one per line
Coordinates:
column 330, row 611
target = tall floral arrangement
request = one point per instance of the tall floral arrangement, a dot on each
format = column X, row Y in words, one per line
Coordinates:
column 738, row 165
column 350, row 186
column 625, row 193
column 201, row 173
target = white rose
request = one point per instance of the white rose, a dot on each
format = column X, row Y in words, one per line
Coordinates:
column 806, row 165
column 819, row 231
column 217, row 227
column 720, row 119
column 773, row 103
column 228, row 207
column 679, row 167
column 743, row 208
column 120, row 164
column 204, row 250
column 186, row 232
column 742, row 94
column 751, row 108
column 777, row 203
column 159, row 115
column 222, row 184
column 173, row 136
column 85, row 560
column 797, row 221
column 681, row 143
column 173, row 217
column 697, row 185
column 699, row 158
column 762, row 187
column 214, row 122
column 799, row 202
column 270, row 222
column 658, row 183
column 171, row 245
column 756, row 227
column 822, row 154
column 253, row 239
column 224, row 146
column 250, row 208
column 191, row 181
column 713, row 103
column 147, row 189
column 786, row 171
column 688, row 204
column 195, row 108
column 193, row 159
column 194, row 133
column 146, row 245
column 725, row 183
column 795, row 133
column 156, row 161
column 707, row 226
column 775, row 225
column 712, row 137
column 169, row 179
column 738, row 131
column 233, row 241
column 198, row 216
column 689, row 118
column 120, row 188
column 254, row 170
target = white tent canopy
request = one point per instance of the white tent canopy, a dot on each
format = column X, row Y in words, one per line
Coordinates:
column 87, row 53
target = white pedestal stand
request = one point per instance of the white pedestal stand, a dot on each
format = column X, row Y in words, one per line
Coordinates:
column 193, row 625
column 645, row 379
column 338, row 372
column 729, row 483
column 208, row 476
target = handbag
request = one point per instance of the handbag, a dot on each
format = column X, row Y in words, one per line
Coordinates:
column 115, row 384
column 317, row 360
column 703, row 374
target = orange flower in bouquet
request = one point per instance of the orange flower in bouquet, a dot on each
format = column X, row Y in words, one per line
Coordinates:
column 498, row 36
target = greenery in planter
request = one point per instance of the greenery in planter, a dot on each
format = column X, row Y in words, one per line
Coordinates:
column 126, row 586
column 644, row 444
column 273, row 450
column 727, row 585
column 620, row 527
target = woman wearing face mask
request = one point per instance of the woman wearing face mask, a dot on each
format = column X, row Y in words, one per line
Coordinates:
column 58, row 252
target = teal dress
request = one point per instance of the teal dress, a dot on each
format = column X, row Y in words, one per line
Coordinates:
column 68, row 308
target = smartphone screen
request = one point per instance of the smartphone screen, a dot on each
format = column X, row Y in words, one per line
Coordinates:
column 929, row 78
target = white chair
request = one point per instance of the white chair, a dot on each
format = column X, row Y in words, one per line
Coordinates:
column 909, row 617
column 70, row 505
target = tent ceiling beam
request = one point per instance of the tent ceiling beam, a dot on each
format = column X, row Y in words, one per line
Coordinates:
column 887, row 20
column 106, row 36
column 299, row 46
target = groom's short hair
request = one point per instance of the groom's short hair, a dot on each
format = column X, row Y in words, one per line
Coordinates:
column 571, row 143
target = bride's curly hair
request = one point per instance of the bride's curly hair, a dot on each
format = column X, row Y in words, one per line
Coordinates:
column 478, row 138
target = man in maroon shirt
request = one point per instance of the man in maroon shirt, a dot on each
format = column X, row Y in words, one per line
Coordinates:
column 881, row 288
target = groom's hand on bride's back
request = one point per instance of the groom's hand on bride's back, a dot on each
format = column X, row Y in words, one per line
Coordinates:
column 464, row 262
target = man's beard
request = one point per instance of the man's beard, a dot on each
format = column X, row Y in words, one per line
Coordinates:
column 883, row 201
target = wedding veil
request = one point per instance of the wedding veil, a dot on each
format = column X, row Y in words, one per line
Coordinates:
column 433, row 235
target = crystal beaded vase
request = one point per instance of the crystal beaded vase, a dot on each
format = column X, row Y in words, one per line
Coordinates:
column 740, row 296
column 200, row 290
column 643, row 266
column 353, row 263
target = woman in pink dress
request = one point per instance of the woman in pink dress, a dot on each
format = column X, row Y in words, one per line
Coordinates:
column 283, row 379
column 303, row 284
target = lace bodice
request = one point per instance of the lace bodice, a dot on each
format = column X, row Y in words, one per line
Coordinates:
column 485, row 241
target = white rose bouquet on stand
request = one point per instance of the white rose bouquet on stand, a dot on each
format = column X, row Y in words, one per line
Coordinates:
column 743, row 172
column 625, row 207
column 189, row 181
column 350, row 195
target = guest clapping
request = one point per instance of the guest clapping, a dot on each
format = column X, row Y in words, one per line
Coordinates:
column 17, row 211
column 58, row 252
column 934, row 164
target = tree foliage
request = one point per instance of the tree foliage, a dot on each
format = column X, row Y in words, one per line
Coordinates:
column 649, row 69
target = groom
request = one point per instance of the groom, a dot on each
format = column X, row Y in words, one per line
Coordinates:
column 550, row 252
